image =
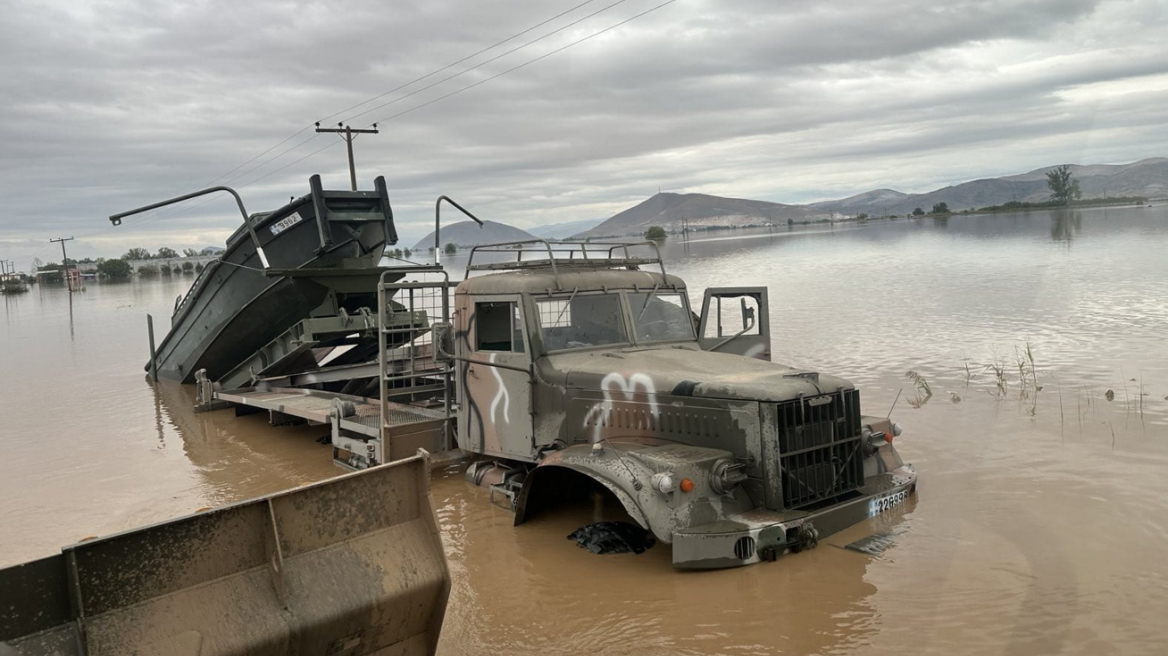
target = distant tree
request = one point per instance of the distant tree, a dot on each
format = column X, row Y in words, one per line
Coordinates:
column 655, row 233
column 147, row 270
column 190, row 252
column 188, row 266
column 450, row 248
column 918, row 212
column 940, row 208
column 114, row 269
column 36, row 264
column 199, row 267
column 1063, row 187
column 166, row 253
column 406, row 252
column 137, row 254
column 862, row 216
column 165, row 269
column 176, row 270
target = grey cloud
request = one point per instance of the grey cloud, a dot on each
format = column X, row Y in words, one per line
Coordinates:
column 117, row 104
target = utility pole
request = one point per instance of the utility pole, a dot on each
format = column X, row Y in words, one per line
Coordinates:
column 64, row 261
column 348, row 134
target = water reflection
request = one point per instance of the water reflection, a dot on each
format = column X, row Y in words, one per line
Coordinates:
column 529, row 590
column 1065, row 224
column 72, row 336
column 240, row 456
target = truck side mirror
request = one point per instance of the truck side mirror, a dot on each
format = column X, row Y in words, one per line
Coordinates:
column 443, row 341
column 747, row 316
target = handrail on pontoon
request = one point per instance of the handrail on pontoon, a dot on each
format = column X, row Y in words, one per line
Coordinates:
column 116, row 219
column 438, row 220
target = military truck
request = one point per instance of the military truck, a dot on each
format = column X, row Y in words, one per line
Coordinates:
column 586, row 366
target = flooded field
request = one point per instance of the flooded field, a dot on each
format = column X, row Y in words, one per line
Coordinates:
column 1029, row 353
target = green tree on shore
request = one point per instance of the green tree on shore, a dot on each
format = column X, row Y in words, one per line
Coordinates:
column 450, row 248
column 655, row 233
column 1064, row 188
column 137, row 254
column 940, row 208
column 918, row 212
column 166, row 253
column 114, row 269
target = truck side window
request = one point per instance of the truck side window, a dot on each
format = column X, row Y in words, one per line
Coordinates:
column 498, row 327
column 733, row 315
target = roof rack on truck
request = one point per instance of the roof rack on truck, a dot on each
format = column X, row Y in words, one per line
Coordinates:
column 566, row 254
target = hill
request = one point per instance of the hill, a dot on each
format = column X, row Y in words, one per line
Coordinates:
column 565, row 230
column 469, row 233
column 699, row 210
column 1148, row 178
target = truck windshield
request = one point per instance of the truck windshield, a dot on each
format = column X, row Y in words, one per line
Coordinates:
column 660, row 317
column 582, row 321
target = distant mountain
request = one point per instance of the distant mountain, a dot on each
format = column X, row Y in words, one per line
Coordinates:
column 1148, row 178
column 564, row 230
column 669, row 209
column 469, row 233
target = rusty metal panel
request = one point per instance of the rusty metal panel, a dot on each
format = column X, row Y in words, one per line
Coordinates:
column 347, row 566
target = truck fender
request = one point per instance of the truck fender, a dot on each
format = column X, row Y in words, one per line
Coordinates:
column 550, row 474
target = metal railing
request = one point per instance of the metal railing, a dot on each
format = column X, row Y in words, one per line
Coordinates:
column 406, row 313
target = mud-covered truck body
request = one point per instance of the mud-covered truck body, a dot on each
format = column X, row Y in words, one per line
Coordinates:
column 592, row 369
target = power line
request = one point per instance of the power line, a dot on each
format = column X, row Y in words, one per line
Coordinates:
column 177, row 211
column 492, row 59
column 393, row 90
column 439, row 98
column 453, row 64
column 528, row 62
column 65, row 261
column 348, row 135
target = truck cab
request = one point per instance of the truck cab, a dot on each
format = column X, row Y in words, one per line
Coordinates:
column 596, row 368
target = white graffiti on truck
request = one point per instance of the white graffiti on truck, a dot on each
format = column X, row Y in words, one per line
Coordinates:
column 502, row 395
column 617, row 388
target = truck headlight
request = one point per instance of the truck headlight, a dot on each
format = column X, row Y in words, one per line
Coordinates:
column 663, row 482
column 725, row 475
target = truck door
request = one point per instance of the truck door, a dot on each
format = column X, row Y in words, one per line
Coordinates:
column 736, row 320
column 497, row 380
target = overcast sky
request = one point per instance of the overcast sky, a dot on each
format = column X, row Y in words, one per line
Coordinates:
column 107, row 105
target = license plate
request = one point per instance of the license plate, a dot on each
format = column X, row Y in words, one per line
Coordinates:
column 877, row 506
column 285, row 223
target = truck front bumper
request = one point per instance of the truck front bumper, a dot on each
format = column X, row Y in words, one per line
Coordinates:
column 757, row 535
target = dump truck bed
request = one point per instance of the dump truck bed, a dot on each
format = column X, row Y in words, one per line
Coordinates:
column 351, row 565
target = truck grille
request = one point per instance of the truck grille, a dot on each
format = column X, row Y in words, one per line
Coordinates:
column 820, row 447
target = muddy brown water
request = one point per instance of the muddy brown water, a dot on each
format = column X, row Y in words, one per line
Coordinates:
column 1041, row 523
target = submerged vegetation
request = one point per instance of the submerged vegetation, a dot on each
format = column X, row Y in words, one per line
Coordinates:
column 1018, row 377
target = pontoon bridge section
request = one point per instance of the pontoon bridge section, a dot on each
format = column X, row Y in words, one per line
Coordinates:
column 387, row 407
